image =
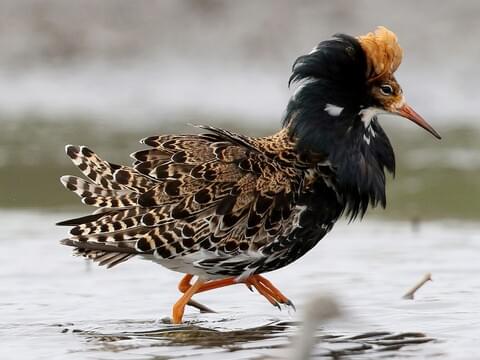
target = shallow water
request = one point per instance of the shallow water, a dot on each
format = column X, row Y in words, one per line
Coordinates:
column 54, row 306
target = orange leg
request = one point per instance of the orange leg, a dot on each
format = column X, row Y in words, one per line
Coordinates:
column 179, row 307
column 215, row 284
column 184, row 284
column 277, row 294
column 263, row 286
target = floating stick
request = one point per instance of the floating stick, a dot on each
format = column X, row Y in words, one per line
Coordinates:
column 410, row 293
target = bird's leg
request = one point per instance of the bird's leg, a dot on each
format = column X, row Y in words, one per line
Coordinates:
column 179, row 307
column 215, row 284
column 260, row 283
column 268, row 290
column 184, row 284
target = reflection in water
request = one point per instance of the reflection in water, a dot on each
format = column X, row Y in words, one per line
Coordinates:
column 275, row 335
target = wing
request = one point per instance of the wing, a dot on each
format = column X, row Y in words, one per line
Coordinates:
column 187, row 193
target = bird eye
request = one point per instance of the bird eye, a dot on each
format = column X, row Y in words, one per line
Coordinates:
column 386, row 89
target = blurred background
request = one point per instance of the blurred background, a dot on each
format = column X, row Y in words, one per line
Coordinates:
column 108, row 73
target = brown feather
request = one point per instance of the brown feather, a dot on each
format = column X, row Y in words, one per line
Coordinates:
column 222, row 192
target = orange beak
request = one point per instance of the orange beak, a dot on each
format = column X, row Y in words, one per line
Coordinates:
column 407, row 112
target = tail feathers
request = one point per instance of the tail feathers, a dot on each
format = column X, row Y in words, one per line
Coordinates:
column 132, row 179
column 108, row 236
column 98, row 196
column 109, row 176
column 121, row 220
column 103, row 258
column 115, row 213
column 99, row 171
column 82, row 219
column 103, row 249
column 111, row 202
column 95, row 245
column 152, row 155
column 84, row 188
column 109, row 249
column 110, row 185
column 121, row 238
column 106, row 225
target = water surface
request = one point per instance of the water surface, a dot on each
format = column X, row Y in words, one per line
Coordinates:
column 55, row 306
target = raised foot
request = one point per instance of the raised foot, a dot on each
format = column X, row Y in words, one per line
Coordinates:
column 269, row 291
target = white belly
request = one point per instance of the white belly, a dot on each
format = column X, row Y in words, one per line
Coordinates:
column 189, row 263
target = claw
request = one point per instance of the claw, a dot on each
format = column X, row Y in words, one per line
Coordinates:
column 291, row 304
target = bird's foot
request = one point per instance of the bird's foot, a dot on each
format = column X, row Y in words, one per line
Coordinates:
column 269, row 291
column 184, row 285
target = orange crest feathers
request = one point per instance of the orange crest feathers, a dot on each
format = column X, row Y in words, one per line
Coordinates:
column 384, row 55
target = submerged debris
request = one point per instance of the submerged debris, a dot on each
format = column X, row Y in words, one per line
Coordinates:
column 410, row 293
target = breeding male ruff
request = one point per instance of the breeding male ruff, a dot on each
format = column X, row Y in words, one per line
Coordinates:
column 227, row 208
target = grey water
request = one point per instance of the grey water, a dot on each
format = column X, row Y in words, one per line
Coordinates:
column 55, row 306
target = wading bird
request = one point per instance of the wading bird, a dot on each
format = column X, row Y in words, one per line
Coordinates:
column 226, row 208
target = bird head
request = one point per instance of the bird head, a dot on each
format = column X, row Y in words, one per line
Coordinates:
column 383, row 56
column 348, row 80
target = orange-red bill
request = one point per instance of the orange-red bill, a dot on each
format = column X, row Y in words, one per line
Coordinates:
column 407, row 112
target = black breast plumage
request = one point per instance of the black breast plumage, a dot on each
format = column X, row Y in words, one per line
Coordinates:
column 330, row 115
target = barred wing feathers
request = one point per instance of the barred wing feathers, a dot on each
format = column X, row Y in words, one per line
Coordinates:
column 218, row 192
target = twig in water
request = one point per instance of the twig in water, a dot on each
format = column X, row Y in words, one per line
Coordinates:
column 410, row 293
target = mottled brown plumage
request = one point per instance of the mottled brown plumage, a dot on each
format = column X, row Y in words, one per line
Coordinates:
column 221, row 192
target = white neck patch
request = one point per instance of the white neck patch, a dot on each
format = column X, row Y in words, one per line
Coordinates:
column 367, row 115
column 333, row 110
